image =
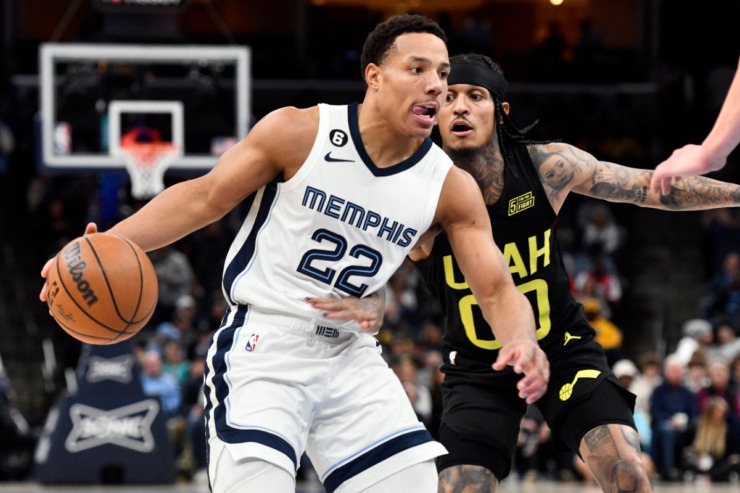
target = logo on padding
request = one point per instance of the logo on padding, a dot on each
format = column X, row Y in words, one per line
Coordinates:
column 128, row 427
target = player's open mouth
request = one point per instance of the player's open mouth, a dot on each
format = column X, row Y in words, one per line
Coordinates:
column 426, row 112
column 461, row 128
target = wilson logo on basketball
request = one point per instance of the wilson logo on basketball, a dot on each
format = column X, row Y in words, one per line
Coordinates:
column 76, row 267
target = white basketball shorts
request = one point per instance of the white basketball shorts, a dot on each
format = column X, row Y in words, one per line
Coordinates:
column 277, row 386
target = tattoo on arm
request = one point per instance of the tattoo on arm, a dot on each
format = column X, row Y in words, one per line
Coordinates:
column 617, row 183
column 699, row 192
column 557, row 166
column 562, row 168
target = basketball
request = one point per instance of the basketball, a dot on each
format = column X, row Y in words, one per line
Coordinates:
column 102, row 288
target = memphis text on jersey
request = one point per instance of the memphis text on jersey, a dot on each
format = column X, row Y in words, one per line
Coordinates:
column 356, row 215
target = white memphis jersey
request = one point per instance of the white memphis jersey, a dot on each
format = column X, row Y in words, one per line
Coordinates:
column 340, row 227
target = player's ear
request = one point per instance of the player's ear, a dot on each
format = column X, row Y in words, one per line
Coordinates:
column 505, row 105
column 372, row 75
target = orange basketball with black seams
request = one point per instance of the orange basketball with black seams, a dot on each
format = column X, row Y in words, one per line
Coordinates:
column 102, row 288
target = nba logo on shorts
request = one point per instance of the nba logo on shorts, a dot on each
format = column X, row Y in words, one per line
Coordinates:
column 252, row 342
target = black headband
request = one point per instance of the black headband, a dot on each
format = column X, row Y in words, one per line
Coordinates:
column 478, row 75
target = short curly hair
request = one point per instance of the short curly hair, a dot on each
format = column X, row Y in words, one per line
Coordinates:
column 380, row 41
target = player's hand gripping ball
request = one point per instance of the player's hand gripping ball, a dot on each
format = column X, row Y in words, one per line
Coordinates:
column 102, row 288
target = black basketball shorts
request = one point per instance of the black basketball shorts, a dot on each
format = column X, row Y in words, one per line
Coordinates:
column 482, row 411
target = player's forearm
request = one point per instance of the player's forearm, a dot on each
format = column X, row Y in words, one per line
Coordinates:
column 725, row 134
column 173, row 214
column 510, row 316
column 694, row 193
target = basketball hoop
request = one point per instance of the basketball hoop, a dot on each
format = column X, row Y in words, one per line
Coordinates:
column 146, row 163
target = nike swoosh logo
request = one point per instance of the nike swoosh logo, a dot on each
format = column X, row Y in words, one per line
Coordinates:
column 330, row 159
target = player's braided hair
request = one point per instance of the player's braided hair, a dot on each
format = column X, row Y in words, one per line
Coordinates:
column 381, row 39
column 507, row 132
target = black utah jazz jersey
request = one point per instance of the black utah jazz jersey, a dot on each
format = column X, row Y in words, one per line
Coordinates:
column 523, row 223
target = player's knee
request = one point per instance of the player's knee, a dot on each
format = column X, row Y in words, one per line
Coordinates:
column 628, row 474
column 624, row 473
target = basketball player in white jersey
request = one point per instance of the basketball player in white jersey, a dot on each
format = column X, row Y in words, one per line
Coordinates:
column 337, row 197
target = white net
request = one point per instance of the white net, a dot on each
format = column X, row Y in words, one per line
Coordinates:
column 146, row 164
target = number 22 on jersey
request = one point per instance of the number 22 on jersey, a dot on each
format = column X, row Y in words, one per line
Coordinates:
column 333, row 248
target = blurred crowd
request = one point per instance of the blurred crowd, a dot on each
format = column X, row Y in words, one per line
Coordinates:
column 688, row 401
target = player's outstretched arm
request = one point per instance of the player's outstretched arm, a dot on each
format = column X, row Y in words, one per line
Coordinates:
column 462, row 214
column 244, row 168
column 564, row 168
column 278, row 144
column 712, row 154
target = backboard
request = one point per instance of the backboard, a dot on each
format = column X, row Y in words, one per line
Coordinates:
column 197, row 97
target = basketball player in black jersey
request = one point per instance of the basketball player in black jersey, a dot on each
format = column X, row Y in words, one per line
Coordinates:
column 524, row 185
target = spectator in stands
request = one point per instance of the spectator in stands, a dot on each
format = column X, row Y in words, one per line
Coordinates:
column 600, row 230
column 175, row 276
column 697, row 335
column 402, row 299
column 720, row 385
column 608, row 334
column 697, row 371
column 735, row 369
column 726, row 346
column 673, row 407
column 599, row 283
column 418, row 393
column 174, row 361
column 156, row 382
column 727, row 302
column 649, row 377
column 715, row 445
column 721, row 280
column 181, row 325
